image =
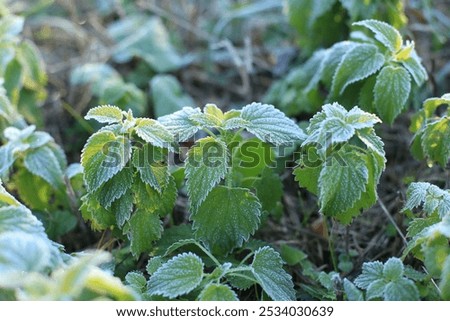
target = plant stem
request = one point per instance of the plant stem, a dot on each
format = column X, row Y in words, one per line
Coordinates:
column 331, row 245
column 208, row 253
column 209, row 132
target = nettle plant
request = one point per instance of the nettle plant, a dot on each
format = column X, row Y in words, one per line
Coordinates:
column 36, row 167
column 375, row 71
column 342, row 161
column 129, row 187
column 224, row 210
column 431, row 126
column 32, row 267
column 429, row 231
column 187, row 276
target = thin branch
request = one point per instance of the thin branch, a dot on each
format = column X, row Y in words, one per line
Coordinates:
column 391, row 219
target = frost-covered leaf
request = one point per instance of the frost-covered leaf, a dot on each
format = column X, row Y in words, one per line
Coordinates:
column 226, row 218
column 376, row 289
column 415, row 68
column 43, row 163
column 391, row 92
column 115, row 187
column 352, row 292
column 267, row 267
column 358, row 63
column 178, row 276
column 371, row 140
column 436, row 141
column 122, row 208
column 401, row 290
column 23, row 252
column 384, row 33
column 103, row 156
column 154, row 264
column 136, row 280
column 180, row 124
column 154, row 133
column 150, row 161
column 269, row 189
column 105, row 114
column 206, row 166
column 341, row 185
column 143, row 228
column 393, row 269
column 212, row 117
column 416, row 194
column 371, row 272
column 270, row 124
column 217, row 292
column 432, row 197
column 151, row 200
column 360, row 119
column 7, row 157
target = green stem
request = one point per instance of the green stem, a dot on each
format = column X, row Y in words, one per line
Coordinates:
column 209, row 254
column 331, row 244
column 246, row 258
column 209, row 132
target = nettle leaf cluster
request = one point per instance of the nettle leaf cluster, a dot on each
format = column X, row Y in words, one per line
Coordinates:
column 224, row 211
column 185, row 275
column 431, row 126
column 342, row 161
column 32, row 267
column 429, row 231
column 35, row 166
column 391, row 281
column 129, row 187
column 21, row 68
column 376, row 71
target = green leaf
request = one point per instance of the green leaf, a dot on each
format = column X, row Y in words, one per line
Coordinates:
column 122, row 208
column 143, row 228
column 391, row 92
column 226, row 218
column 267, row 267
column 167, row 94
column 105, row 114
column 341, row 185
column 384, row 33
column 358, row 63
column 92, row 211
column 206, row 166
column 212, row 117
column 371, row 140
column 393, row 269
column 371, row 272
column 401, row 290
column 180, row 123
column 150, row 161
column 436, row 141
column 376, row 289
column 154, row 264
column 136, row 280
column 416, row 194
column 217, row 292
column 352, row 292
column 178, row 276
column 23, row 252
column 103, row 156
column 415, row 68
column 43, row 163
column 115, row 188
column 154, row 133
column 7, row 157
column 270, row 124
